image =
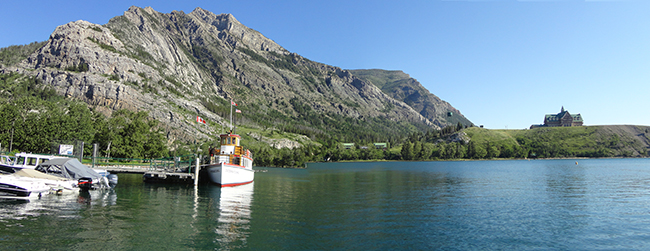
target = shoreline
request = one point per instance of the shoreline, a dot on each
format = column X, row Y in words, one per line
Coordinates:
column 555, row 158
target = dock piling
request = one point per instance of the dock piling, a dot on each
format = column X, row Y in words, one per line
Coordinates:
column 196, row 173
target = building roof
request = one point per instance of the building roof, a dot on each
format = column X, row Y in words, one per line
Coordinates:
column 556, row 117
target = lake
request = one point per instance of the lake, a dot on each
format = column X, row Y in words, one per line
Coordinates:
column 465, row 205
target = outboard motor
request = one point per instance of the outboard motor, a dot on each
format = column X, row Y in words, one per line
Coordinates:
column 85, row 183
column 112, row 180
column 104, row 183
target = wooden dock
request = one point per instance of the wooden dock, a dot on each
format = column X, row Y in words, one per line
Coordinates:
column 153, row 174
column 125, row 169
column 171, row 177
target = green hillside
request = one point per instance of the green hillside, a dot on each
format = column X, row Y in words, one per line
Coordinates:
column 583, row 141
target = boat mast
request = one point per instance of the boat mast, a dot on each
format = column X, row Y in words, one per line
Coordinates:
column 232, row 125
column 231, row 115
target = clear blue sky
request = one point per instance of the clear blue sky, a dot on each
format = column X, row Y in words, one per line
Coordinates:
column 503, row 64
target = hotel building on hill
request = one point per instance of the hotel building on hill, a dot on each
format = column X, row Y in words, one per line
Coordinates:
column 564, row 118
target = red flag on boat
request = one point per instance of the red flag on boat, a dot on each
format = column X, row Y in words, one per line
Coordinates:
column 233, row 103
column 200, row 120
column 237, row 111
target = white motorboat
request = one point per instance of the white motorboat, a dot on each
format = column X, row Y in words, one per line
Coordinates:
column 72, row 169
column 23, row 161
column 58, row 185
column 58, row 166
column 22, row 188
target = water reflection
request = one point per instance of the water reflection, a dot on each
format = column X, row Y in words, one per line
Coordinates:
column 234, row 218
column 65, row 205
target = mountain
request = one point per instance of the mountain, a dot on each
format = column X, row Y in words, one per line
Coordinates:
column 178, row 66
column 402, row 87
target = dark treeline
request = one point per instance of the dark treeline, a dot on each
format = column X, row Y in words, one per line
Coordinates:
column 416, row 146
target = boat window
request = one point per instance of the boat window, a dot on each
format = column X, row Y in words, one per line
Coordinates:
column 228, row 141
column 234, row 141
column 32, row 161
column 20, row 161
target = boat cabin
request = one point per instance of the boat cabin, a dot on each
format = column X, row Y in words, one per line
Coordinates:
column 30, row 160
column 229, row 143
column 232, row 152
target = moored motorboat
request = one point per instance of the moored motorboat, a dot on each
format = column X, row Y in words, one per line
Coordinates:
column 22, row 188
column 72, row 169
column 58, row 185
column 232, row 165
column 23, row 161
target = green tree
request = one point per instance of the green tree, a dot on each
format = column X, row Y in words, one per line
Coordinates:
column 417, row 149
column 407, row 151
column 8, row 116
column 130, row 135
column 475, row 151
column 154, row 146
column 460, row 151
column 449, row 151
column 492, row 150
column 427, row 150
column 437, row 152
column 376, row 154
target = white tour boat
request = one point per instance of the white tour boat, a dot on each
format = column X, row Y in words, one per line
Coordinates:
column 232, row 165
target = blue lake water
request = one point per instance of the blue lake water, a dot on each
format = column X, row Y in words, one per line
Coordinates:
column 465, row 205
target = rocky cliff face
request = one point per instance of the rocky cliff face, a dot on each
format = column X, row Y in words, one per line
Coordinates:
column 178, row 66
column 401, row 86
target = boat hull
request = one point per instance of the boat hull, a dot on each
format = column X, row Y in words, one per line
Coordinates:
column 19, row 188
column 227, row 175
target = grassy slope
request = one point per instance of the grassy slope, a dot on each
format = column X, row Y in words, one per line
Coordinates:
column 617, row 140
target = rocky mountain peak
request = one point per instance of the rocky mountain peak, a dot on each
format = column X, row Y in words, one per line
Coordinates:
column 221, row 22
column 227, row 25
